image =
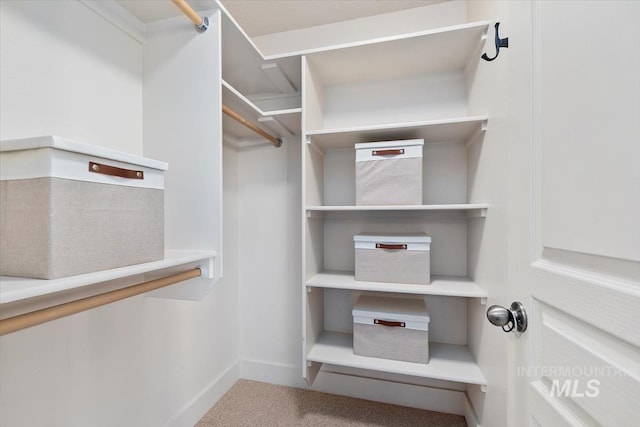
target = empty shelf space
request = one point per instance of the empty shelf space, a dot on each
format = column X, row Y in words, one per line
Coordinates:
column 440, row 285
column 400, row 56
column 447, row 362
column 443, row 130
column 256, row 77
column 234, row 98
column 282, row 123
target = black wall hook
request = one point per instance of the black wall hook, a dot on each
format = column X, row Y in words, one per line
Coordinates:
column 499, row 43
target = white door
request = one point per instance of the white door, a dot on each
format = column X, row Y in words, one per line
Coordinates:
column 574, row 98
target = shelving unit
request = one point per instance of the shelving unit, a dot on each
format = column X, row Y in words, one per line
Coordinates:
column 405, row 87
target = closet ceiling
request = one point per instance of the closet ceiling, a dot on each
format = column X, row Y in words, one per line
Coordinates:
column 260, row 17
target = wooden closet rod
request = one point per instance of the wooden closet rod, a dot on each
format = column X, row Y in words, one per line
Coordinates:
column 277, row 142
column 33, row 318
column 201, row 23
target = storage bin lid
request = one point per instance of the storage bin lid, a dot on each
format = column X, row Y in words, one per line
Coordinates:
column 57, row 143
column 412, row 311
column 392, row 237
column 385, row 144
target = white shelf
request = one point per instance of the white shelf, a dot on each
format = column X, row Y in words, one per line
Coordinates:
column 440, row 285
column 14, row 289
column 232, row 97
column 242, row 64
column 447, row 362
column 280, row 123
column 472, row 209
column 444, row 130
column 441, row 50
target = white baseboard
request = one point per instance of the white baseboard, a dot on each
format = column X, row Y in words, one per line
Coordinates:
column 195, row 409
column 415, row 396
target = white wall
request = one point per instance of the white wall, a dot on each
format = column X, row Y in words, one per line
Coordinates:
column 142, row 361
column 270, row 262
column 66, row 71
column 487, row 182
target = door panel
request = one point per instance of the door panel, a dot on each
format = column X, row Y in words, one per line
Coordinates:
column 587, row 58
column 575, row 198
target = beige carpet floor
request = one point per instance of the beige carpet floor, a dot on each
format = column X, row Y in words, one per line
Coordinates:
column 254, row 404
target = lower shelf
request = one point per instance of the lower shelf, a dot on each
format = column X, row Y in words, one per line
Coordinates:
column 447, row 362
column 15, row 289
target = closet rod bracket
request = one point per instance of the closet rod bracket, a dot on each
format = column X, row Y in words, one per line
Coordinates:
column 203, row 26
column 200, row 22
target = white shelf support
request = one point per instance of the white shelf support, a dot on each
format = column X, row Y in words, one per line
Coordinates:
column 275, row 125
column 476, row 135
column 275, row 74
column 208, row 268
column 477, row 213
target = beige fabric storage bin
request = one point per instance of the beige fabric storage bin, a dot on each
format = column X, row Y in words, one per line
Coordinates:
column 394, row 258
column 69, row 208
column 389, row 173
column 391, row 328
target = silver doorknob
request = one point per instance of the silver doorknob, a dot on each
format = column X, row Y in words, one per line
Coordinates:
column 509, row 319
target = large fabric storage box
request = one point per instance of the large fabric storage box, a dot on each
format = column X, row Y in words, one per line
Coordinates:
column 394, row 258
column 389, row 172
column 69, row 208
column 391, row 328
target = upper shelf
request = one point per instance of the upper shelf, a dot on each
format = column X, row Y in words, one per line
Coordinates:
column 444, row 130
column 426, row 52
column 271, row 84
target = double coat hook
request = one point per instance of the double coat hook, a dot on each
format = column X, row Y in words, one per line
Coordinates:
column 499, row 43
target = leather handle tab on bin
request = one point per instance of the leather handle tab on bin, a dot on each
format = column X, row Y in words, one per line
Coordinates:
column 389, row 323
column 114, row 171
column 387, row 152
column 389, row 246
